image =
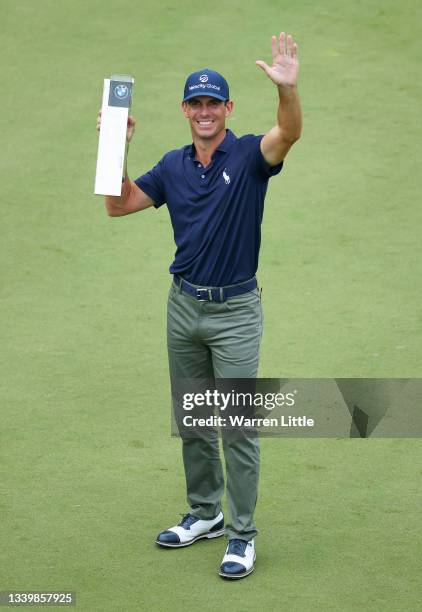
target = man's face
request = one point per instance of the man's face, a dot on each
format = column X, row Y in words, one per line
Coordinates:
column 207, row 116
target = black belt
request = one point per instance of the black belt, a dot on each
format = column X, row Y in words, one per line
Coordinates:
column 214, row 294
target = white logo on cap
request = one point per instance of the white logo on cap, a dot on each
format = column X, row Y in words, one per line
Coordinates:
column 203, row 78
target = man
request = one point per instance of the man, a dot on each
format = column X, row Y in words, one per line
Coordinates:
column 215, row 190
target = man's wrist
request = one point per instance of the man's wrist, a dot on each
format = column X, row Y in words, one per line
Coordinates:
column 287, row 88
column 125, row 162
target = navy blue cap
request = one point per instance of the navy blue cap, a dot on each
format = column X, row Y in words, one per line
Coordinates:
column 206, row 82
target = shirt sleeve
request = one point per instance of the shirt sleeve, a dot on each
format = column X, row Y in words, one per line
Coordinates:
column 152, row 183
column 258, row 163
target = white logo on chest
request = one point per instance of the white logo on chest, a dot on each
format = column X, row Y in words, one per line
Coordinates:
column 226, row 177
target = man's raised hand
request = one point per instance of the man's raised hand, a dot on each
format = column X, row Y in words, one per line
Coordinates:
column 285, row 66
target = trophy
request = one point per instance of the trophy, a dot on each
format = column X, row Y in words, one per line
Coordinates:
column 117, row 99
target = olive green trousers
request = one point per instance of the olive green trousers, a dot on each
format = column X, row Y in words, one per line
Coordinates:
column 209, row 340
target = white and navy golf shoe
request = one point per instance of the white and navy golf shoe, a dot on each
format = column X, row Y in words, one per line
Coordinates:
column 189, row 530
column 239, row 559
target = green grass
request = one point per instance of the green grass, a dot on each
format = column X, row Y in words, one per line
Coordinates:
column 88, row 469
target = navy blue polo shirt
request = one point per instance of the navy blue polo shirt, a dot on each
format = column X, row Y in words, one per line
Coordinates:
column 216, row 211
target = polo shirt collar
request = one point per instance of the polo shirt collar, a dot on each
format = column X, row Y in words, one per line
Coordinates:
column 225, row 145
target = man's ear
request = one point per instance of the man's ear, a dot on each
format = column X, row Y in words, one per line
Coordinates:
column 229, row 107
column 185, row 108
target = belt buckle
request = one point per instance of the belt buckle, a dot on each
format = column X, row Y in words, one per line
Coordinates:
column 200, row 292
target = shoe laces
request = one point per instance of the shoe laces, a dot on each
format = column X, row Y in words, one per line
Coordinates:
column 237, row 547
column 187, row 520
